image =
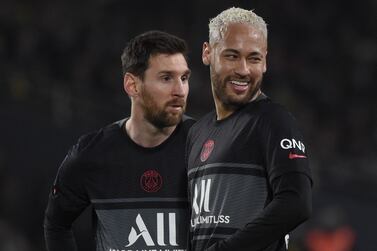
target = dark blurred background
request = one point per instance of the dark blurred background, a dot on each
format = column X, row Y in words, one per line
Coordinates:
column 60, row 76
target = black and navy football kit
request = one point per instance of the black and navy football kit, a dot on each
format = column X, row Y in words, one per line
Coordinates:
column 138, row 195
column 249, row 179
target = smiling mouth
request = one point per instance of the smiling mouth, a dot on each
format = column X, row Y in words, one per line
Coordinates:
column 239, row 83
column 239, row 86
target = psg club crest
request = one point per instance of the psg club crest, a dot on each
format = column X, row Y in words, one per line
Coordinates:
column 151, row 181
column 207, row 150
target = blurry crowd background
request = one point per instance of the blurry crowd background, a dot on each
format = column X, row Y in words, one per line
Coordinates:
column 60, row 76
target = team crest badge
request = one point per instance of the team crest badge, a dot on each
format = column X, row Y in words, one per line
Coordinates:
column 151, row 181
column 207, row 150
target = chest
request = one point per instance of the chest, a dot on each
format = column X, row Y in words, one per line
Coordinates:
column 134, row 174
column 232, row 142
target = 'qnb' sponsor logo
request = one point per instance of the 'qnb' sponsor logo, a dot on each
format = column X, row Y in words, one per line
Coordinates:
column 144, row 233
column 292, row 143
column 203, row 206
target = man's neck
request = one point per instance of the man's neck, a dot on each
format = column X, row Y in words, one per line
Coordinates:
column 145, row 134
column 223, row 111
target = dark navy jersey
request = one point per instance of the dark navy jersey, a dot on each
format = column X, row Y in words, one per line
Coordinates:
column 232, row 164
column 139, row 195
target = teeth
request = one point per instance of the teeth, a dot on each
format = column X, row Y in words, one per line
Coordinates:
column 239, row 83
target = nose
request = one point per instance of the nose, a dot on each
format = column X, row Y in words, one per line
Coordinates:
column 242, row 68
column 179, row 88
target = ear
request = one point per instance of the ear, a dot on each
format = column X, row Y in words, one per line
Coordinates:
column 265, row 63
column 206, row 53
column 130, row 84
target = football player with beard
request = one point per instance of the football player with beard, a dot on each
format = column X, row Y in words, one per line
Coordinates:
column 249, row 179
column 132, row 172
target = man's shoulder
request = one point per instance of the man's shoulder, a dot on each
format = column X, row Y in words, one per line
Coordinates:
column 273, row 116
column 201, row 125
column 96, row 139
column 90, row 149
column 187, row 122
column 269, row 110
column 205, row 120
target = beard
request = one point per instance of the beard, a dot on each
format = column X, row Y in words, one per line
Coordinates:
column 158, row 115
column 226, row 97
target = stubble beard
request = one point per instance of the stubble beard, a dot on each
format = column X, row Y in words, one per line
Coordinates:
column 229, row 101
column 158, row 116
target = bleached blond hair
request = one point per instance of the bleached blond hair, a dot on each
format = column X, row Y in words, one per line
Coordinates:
column 219, row 24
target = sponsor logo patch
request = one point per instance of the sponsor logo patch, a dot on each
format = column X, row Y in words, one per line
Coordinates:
column 141, row 232
column 296, row 156
column 292, row 144
column 201, row 206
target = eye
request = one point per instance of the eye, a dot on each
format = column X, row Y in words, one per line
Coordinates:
column 231, row 56
column 255, row 59
column 166, row 78
column 185, row 77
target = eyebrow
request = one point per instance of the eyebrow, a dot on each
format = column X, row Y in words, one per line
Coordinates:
column 254, row 53
column 187, row 72
column 231, row 50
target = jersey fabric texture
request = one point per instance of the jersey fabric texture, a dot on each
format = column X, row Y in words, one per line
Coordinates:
column 232, row 166
column 138, row 195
